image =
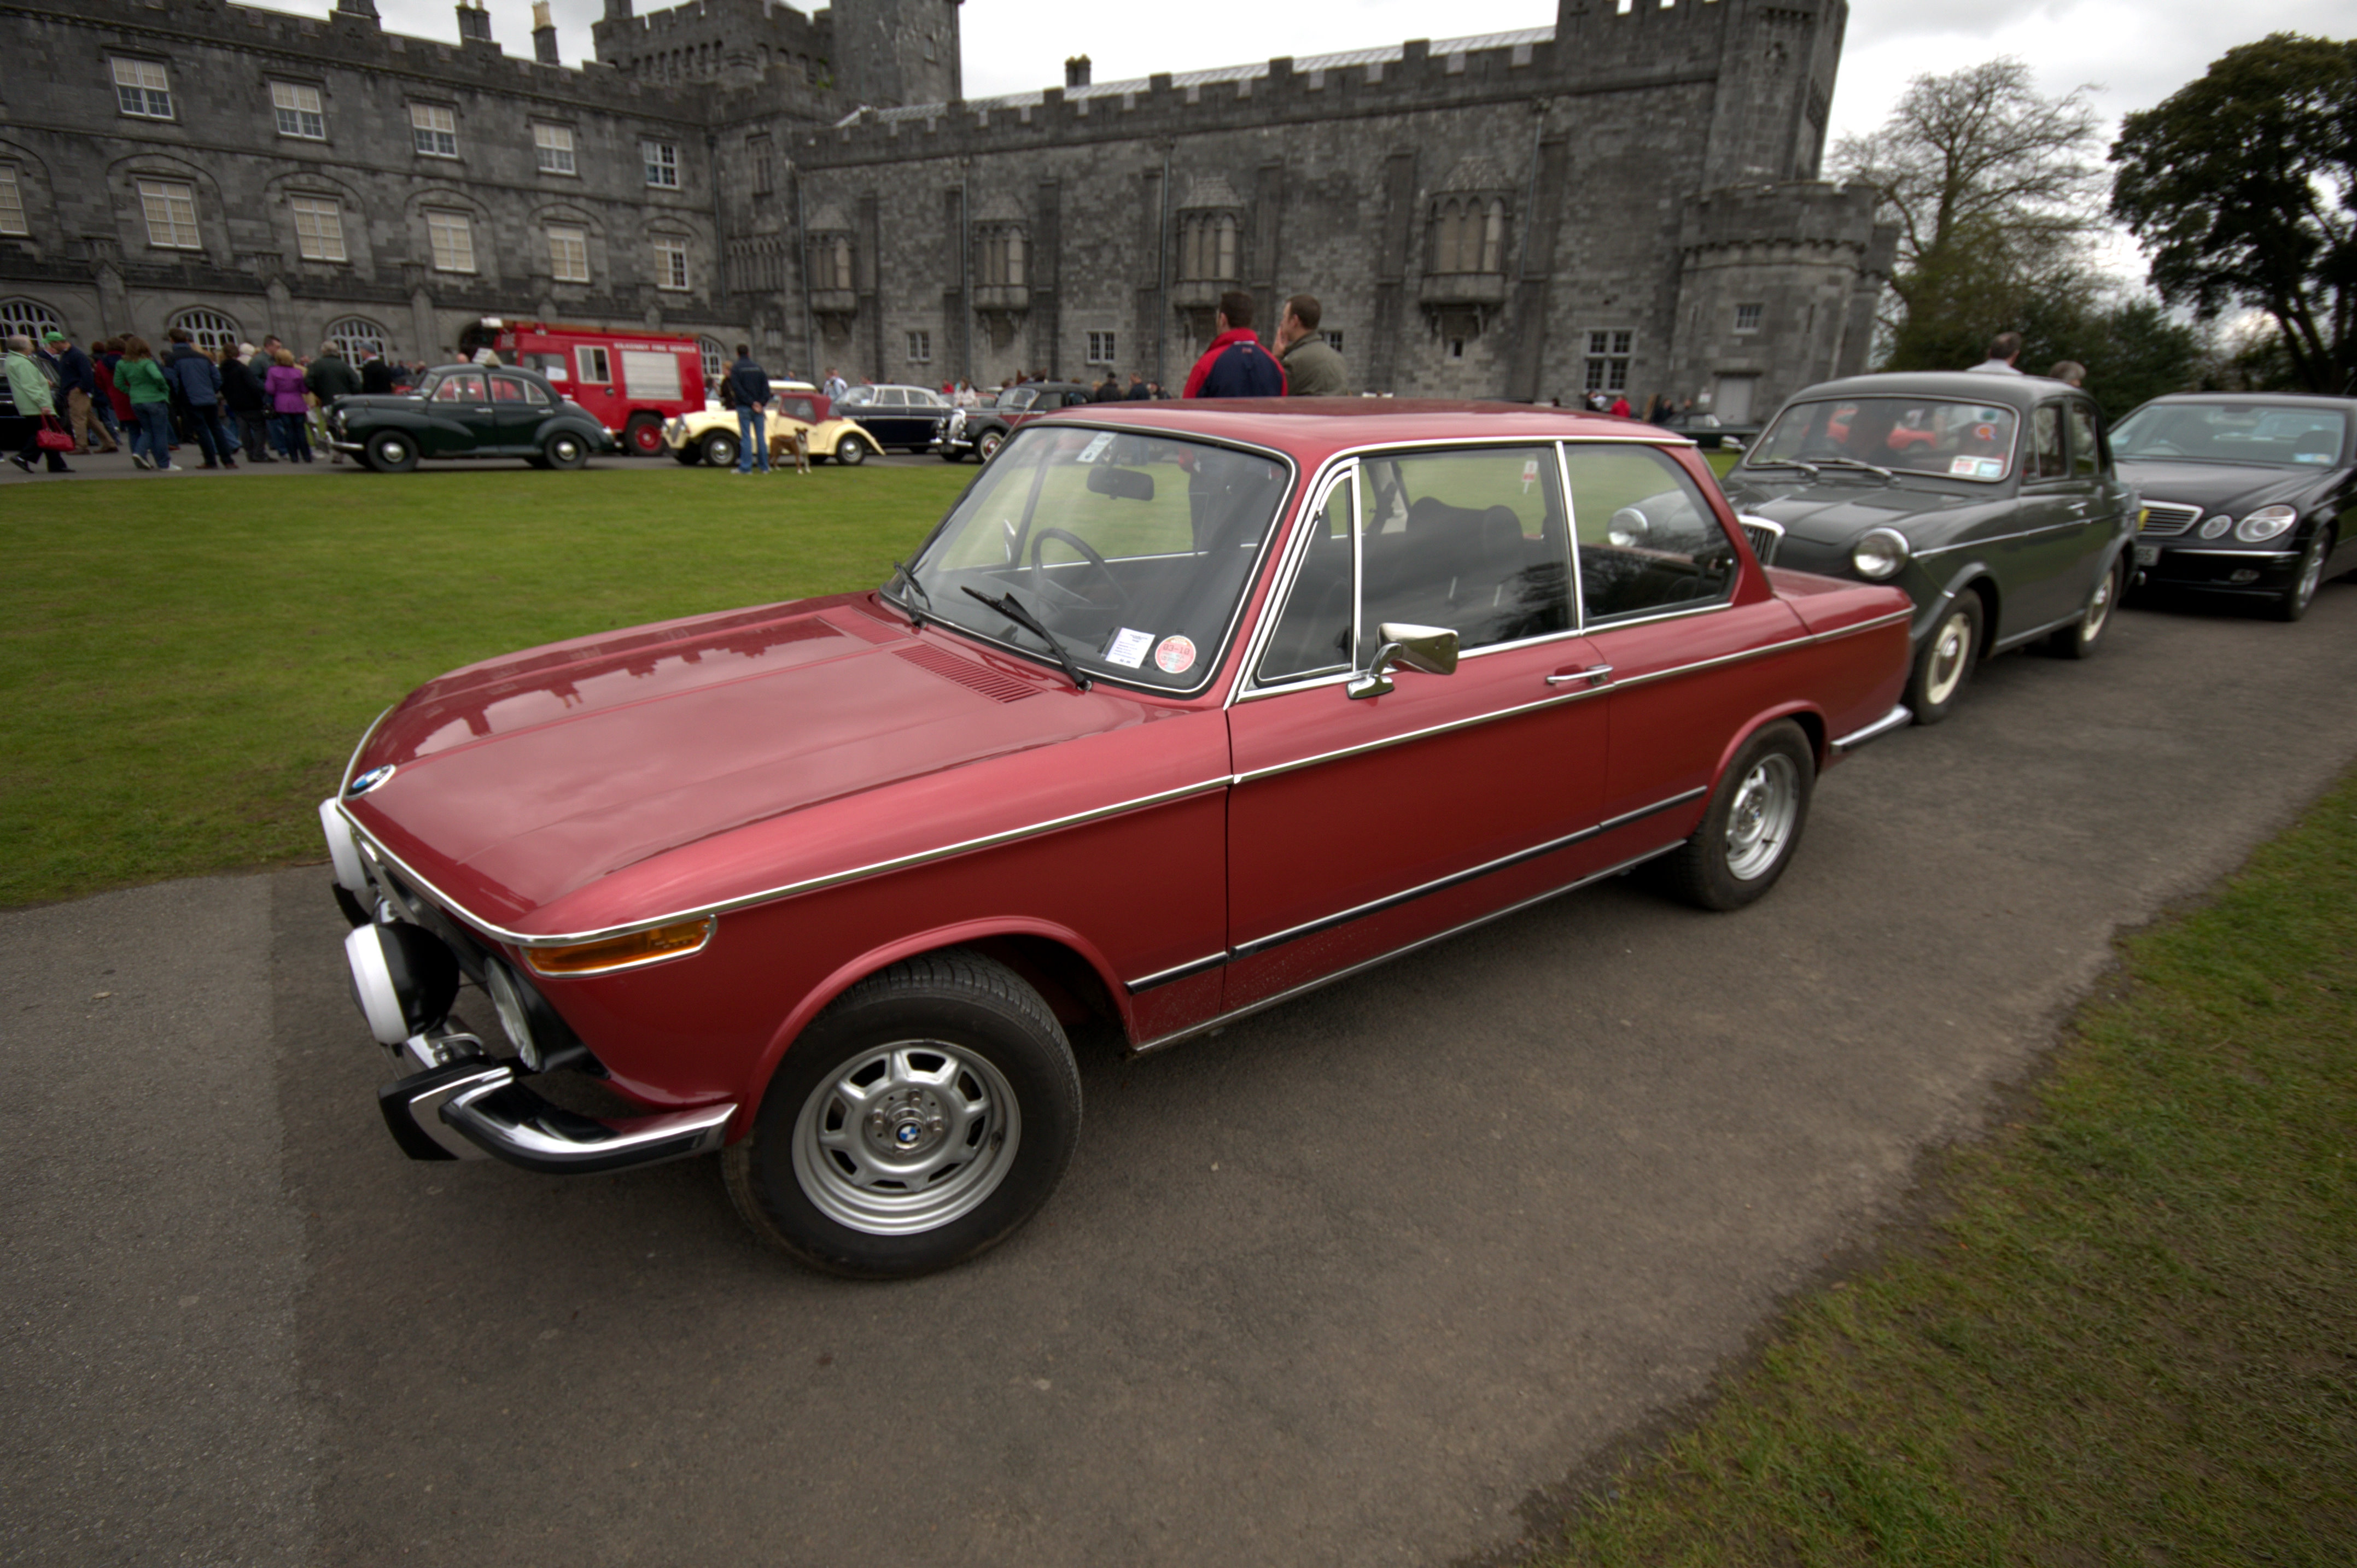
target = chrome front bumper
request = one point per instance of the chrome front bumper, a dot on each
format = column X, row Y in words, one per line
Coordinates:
column 475, row 1107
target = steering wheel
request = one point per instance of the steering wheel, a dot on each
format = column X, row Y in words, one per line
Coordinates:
column 1044, row 587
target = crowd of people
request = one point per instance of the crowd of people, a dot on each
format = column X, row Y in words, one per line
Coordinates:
column 258, row 403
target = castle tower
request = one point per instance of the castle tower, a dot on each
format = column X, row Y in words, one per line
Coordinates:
column 890, row 52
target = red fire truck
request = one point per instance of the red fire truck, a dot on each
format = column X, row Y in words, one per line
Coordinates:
column 630, row 383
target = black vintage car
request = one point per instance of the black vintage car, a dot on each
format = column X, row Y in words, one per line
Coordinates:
column 907, row 417
column 2245, row 493
column 980, row 432
column 1992, row 500
column 467, row 411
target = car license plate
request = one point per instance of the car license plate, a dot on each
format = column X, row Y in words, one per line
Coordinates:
column 2146, row 554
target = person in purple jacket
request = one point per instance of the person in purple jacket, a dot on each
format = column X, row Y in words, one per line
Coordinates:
column 284, row 387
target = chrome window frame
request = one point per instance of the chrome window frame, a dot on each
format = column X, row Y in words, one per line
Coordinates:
column 1280, row 593
column 1641, row 617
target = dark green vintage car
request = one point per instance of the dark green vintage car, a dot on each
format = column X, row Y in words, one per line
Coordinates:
column 467, row 411
column 1991, row 498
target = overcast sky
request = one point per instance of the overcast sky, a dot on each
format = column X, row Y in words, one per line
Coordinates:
column 2136, row 53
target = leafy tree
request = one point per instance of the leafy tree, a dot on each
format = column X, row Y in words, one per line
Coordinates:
column 1995, row 194
column 2133, row 350
column 2243, row 186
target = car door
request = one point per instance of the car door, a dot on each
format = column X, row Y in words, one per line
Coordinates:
column 518, row 407
column 2044, row 572
column 1359, row 824
column 458, row 415
column 1659, row 579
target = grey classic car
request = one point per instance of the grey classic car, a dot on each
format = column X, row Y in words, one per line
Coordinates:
column 1992, row 500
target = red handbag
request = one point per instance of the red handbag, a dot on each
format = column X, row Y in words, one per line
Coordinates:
column 52, row 436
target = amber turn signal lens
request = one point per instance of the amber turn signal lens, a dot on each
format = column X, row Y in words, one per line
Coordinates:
column 621, row 952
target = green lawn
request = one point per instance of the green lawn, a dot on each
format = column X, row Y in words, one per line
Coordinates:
column 185, row 663
column 2132, row 1336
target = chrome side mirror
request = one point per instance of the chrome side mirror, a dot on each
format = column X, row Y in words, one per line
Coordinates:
column 1431, row 649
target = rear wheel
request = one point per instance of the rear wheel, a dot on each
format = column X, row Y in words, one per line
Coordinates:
column 564, row 450
column 2302, row 593
column 851, row 451
column 389, row 452
column 1753, row 825
column 987, row 444
column 719, row 449
column 919, row 1119
column 1944, row 666
column 2079, row 639
column 643, row 435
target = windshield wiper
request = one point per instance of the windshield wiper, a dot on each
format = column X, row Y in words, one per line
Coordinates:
column 1007, row 605
column 1808, row 468
column 1853, row 463
column 900, row 573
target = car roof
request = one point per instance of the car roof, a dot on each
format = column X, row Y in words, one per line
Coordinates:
column 1964, row 386
column 1311, row 429
column 2269, row 400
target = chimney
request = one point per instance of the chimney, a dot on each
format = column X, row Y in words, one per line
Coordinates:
column 1076, row 72
column 544, row 35
column 363, row 8
column 474, row 22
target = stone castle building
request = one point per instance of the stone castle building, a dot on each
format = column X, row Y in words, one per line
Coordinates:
column 1625, row 199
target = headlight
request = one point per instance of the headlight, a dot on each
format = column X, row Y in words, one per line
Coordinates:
column 403, row 977
column 1881, row 553
column 343, row 850
column 2265, row 523
column 2216, row 526
column 1628, row 529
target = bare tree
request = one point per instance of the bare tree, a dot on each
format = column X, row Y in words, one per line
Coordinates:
column 1995, row 193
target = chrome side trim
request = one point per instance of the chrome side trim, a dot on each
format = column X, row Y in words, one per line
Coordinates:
column 1907, row 614
column 2254, row 552
column 2075, row 523
column 1224, row 1019
column 345, row 781
column 1457, row 878
column 1402, row 738
column 1179, row 973
column 2019, row 638
column 768, row 895
column 1898, row 717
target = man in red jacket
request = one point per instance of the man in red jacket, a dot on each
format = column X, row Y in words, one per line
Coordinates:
column 1235, row 365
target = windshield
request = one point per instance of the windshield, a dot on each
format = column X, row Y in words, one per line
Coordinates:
column 1133, row 550
column 1905, row 434
column 2279, row 435
column 1015, row 398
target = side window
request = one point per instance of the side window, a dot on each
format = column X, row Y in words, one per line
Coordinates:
column 465, row 386
column 2086, row 444
column 510, row 389
column 597, row 368
column 797, row 408
column 1649, row 543
column 2046, row 460
column 1474, row 541
column 1313, row 635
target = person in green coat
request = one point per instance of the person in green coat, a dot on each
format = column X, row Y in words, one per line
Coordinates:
column 28, row 384
column 141, row 380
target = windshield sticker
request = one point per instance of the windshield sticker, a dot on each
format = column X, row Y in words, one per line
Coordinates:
column 1530, row 474
column 2311, row 457
column 1095, row 449
column 1128, row 649
column 1176, row 656
column 1978, row 467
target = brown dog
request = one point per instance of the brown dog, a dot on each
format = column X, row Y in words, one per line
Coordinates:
column 795, row 441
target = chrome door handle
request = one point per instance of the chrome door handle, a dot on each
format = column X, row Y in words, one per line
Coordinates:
column 1595, row 675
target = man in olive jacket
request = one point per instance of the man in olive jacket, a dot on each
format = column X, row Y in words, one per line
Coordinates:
column 328, row 379
column 1313, row 368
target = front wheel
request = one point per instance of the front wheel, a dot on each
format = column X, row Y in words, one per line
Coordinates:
column 1753, row 824
column 1944, row 666
column 928, row 1113
column 719, row 450
column 2302, row 593
column 851, row 451
column 643, row 435
column 564, row 450
column 389, row 452
column 987, row 444
column 2079, row 639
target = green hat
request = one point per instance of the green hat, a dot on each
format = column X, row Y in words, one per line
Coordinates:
column 53, row 336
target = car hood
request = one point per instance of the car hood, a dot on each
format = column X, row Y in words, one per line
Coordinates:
column 1837, row 511
column 2235, row 487
column 523, row 785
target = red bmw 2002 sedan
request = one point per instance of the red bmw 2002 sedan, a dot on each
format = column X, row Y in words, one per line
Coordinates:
column 1184, row 709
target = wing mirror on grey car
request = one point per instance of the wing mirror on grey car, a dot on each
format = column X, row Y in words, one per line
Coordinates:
column 1431, row 649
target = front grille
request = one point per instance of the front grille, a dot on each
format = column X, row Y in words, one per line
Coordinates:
column 1764, row 537
column 2163, row 520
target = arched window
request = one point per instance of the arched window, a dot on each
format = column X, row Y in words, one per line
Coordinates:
column 839, row 258
column 211, row 329
column 356, row 337
column 28, row 316
column 715, row 359
column 1207, row 248
column 1002, row 258
column 1469, row 234
column 1493, row 237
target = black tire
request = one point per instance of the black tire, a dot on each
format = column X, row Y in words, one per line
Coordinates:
column 951, row 456
column 1752, row 825
column 535, row 461
column 851, row 451
column 718, row 448
column 1942, row 667
column 689, row 455
column 956, row 1012
column 643, row 435
column 390, row 452
column 987, row 444
column 2294, row 602
column 565, row 449
column 2083, row 636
